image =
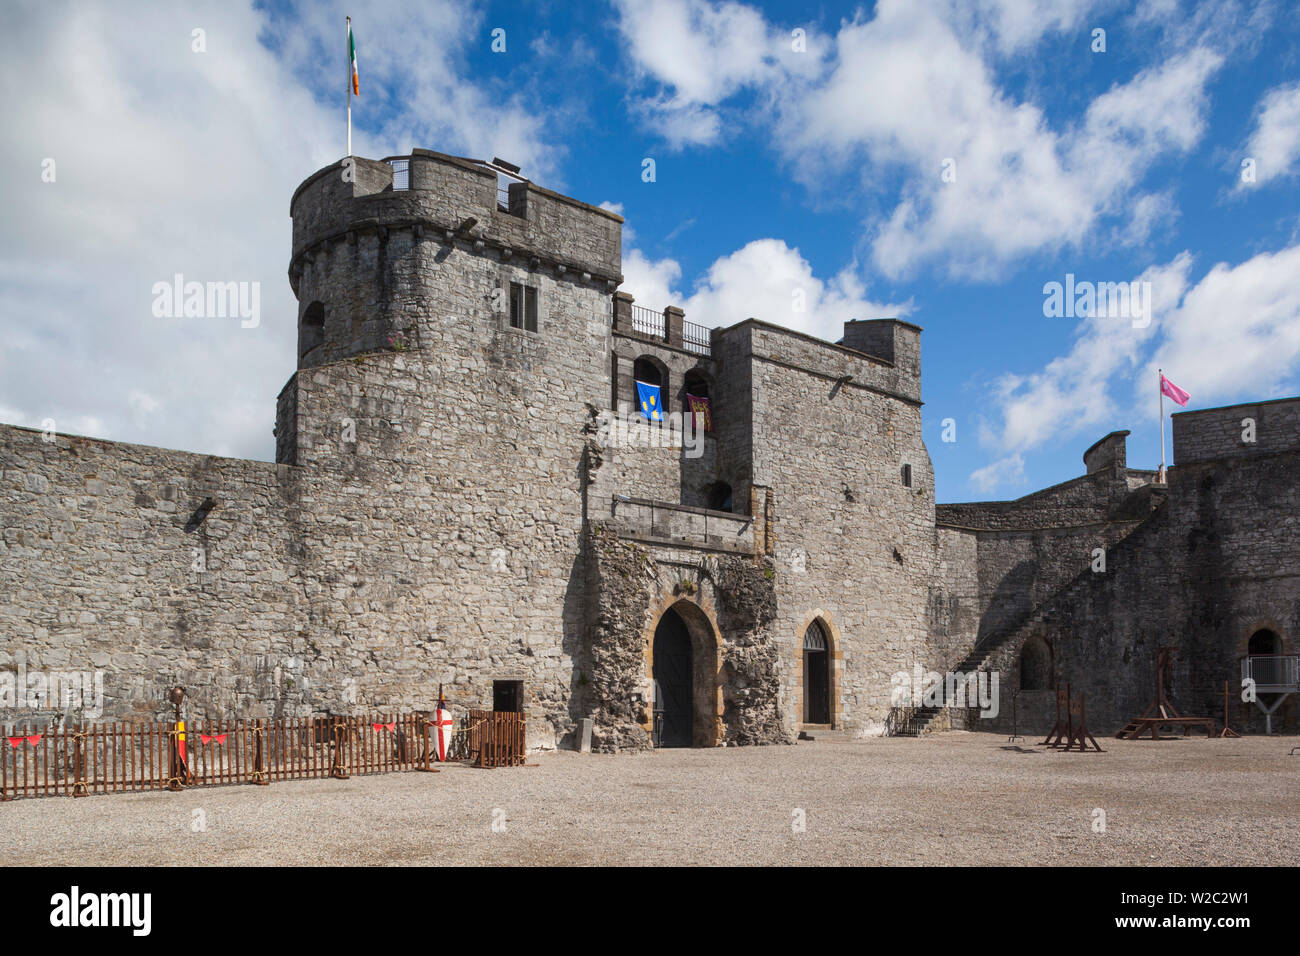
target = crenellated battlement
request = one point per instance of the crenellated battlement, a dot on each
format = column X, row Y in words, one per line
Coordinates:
column 390, row 251
column 452, row 199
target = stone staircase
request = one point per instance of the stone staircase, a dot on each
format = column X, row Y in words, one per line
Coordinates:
column 921, row 720
column 918, row 722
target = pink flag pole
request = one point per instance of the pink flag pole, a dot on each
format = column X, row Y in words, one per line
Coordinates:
column 1160, row 385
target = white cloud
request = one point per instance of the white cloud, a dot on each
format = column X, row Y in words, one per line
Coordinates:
column 700, row 54
column 766, row 279
column 653, row 283
column 1005, row 472
column 1073, row 393
column 1234, row 335
column 893, row 97
column 1013, row 26
column 172, row 161
column 1020, row 188
column 1275, row 141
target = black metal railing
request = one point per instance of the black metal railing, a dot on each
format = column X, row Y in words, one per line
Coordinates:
column 898, row 720
column 697, row 338
column 647, row 321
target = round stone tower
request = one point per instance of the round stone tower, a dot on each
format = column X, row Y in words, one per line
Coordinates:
column 387, row 252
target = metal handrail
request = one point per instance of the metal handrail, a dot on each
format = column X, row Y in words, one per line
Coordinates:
column 697, row 338
column 648, row 321
column 1272, row 670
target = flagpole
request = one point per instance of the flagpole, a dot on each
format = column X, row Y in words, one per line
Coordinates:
column 1161, row 385
column 349, row 54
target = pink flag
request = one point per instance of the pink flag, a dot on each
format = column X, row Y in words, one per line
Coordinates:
column 1173, row 391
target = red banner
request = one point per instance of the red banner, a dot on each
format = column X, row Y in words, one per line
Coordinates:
column 700, row 407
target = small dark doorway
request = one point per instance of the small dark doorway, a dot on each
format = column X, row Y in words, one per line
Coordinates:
column 673, row 685
column 719, row 496
column 508, row 695
column 816, row 675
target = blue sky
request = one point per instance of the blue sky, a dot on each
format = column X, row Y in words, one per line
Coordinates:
column 784, row 162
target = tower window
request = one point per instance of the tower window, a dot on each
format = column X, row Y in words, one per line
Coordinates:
column 523, row 307
column 311, row 330
column 907, row 476
column 401, row 173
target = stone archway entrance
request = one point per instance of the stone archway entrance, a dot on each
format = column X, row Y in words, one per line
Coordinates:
column 685, row 667
column 674, row 690
column 816, row 675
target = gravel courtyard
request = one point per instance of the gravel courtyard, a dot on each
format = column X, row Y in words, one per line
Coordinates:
column 954, row 798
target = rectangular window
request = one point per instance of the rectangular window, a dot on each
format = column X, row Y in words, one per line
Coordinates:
column 523, row 307
column 508, row 695
column 907, row 476
column 401, row 173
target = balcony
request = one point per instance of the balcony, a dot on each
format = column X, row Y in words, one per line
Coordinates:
column 648, row 322
column 661, row 522
column 1272, row 673
column 697, row 338
column 668, row 327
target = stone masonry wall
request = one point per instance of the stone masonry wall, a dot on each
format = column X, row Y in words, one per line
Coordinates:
column 104, row 566
column 854, row 545
column 1216, row 563
column 1028, row 549
column 1217, row 433
column 730, row 607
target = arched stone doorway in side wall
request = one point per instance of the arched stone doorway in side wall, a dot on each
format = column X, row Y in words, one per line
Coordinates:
column 816, row 674
column 1036, row 664
column 674, row 690
column 684, row 670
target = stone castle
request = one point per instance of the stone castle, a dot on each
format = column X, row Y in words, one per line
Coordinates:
column 449, row 508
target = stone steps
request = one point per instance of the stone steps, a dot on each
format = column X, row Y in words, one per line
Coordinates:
column 919, row 722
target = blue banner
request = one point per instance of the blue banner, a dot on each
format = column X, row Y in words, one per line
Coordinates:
column 647, row 397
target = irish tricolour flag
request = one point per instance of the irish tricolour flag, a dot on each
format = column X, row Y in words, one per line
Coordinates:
column 352, row 59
